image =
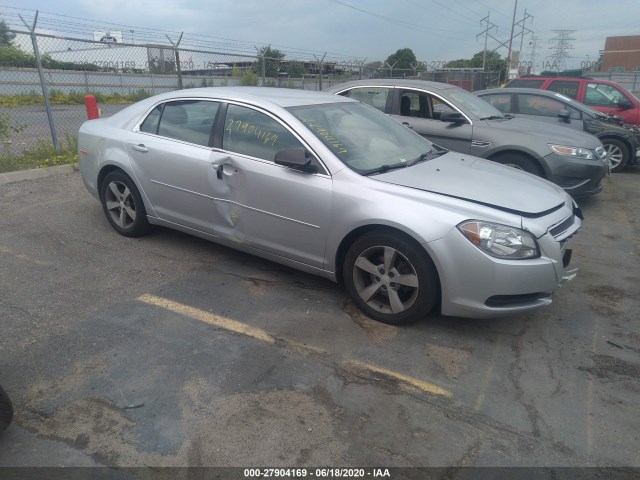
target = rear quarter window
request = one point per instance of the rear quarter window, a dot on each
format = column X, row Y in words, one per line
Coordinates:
column 525, row 83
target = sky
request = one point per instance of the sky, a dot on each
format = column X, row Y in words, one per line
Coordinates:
column 436, row 30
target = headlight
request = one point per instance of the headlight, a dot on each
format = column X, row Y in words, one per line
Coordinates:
column 500, row 241
column 577, row 152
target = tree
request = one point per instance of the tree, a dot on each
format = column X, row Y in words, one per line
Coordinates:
column 295, row 69
column 404, row 59
column 493, row 62
column 272, row 57
column 6, row 37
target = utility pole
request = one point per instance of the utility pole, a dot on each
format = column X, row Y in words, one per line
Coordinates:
column 521, row 23
column 486, row 37
column 513, row 24
column 534, row 43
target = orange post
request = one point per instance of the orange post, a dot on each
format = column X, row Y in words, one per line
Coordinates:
column 92, row 107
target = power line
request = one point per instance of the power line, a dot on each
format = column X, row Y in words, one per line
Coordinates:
column 431, row 11
column 395, row 21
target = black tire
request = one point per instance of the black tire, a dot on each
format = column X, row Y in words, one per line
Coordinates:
column 520, row 162
column 618, row 152
column 406, row 259
column 6, row 410
column 122, row 204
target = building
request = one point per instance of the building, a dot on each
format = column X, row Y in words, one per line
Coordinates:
column 621, row 54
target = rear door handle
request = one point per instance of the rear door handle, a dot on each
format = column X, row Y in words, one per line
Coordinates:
column 140, row 148
column 407, row 124
column 219, row 171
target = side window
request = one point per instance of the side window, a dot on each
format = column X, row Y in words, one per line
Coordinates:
column 374, row 96
column 499, row 101
column 150, row 124
column 565, row 87
column 421, row 105
column 249, row 132
column 543, row 106
column 602, row 95
column 188, row 120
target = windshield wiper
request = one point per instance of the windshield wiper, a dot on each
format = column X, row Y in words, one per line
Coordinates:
column 429, row 155
column 493, row 117
column 384, row 168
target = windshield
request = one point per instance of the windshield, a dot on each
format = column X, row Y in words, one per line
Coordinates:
column 362, row 137
column 469, row 103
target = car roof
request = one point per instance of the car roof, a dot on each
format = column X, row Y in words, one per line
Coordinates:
column 261, row 96
column 569, row 79
column 394, row 82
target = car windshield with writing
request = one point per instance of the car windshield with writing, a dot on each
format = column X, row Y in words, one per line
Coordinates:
column 363, row 138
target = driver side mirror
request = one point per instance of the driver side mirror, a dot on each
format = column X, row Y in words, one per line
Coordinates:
column 564, row 115
column 625, row 103
column 296, row 158
column 452, row 117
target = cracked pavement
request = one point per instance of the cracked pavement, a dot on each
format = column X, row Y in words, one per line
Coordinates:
column 306, row 380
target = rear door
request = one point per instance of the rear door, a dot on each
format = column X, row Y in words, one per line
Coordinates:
column 170, row 156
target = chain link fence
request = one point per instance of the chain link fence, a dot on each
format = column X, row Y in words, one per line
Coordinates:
column 44, row 79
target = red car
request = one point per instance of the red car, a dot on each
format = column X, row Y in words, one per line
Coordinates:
column 601, row 95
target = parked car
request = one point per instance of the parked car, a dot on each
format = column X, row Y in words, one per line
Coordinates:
column 601, row 95
column 620, row 143
column 6, row 410
column 458, row 120
column 333, row 187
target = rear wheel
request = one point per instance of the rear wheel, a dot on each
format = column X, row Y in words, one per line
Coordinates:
column 519, row 161
column 6, row 410
column 618, row 153
column 122, row 204
column 390, row 278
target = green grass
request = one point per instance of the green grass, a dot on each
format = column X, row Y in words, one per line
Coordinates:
column 56, row 97
column 41, row 155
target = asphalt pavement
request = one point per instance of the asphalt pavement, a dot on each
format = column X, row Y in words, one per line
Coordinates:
column 169, row 350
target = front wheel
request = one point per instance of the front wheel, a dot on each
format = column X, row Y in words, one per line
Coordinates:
column 6, row 410
column 390, row 278
column 618, row 153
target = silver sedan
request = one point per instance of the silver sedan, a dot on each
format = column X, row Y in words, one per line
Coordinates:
column 334, row 187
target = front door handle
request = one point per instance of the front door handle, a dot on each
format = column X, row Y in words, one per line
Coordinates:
column 407, row 124
column 140, row 148
column 219, row 171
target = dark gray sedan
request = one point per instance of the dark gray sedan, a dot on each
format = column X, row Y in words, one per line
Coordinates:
column 458, row 120
column 557, row 109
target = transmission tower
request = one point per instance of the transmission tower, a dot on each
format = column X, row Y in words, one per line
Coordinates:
column 561, row 49
column 490, row 25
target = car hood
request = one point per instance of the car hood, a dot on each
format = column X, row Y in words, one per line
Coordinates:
column 550, row 133
column 480, row 181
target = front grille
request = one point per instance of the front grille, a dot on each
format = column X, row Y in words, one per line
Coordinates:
column 562, row 227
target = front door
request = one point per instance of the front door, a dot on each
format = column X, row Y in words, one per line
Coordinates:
column 271, row 207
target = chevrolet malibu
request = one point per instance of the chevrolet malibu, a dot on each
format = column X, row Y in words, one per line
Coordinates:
column 333, row 187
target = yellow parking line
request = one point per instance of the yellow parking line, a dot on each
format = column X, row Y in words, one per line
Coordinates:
column 421, row 384
column 244, row 329
column 207, row 317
